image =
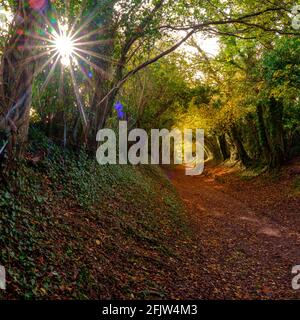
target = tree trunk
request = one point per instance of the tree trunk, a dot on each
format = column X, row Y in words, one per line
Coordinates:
column 17, row 73
column 102, row 80
column 262, row 133
column 213, row 147
column 223, row 147
column 241, row 153
column 275, row 112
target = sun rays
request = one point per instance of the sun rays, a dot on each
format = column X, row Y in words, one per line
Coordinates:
column 64, row 46
column 70, row 46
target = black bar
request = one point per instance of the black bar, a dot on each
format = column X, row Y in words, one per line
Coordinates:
column 98, row 310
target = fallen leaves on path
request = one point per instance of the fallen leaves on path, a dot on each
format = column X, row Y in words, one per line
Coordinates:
column 248, row 232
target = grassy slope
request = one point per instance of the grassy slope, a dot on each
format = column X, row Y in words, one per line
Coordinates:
column 70, row 228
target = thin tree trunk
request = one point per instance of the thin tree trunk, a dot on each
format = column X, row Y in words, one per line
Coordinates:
column 275, row 111
column 262, row 133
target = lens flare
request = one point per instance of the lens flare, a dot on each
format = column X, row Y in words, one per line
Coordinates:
column 37, row 4
column 59, row 42
column 65, row 48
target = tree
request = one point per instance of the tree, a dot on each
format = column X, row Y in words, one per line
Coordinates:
column 281, row 72
column 18, row 66
column 120, row 38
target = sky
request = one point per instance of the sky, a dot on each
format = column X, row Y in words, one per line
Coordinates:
column 210, row 46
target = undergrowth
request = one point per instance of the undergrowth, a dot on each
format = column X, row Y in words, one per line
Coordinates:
column 73, row 229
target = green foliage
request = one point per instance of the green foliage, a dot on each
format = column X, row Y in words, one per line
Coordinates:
column 281, row 68
column 157, row 89
column 52, row 212
column 75, row 175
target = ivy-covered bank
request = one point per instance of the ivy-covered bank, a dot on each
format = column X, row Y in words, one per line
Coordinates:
column 73, row 229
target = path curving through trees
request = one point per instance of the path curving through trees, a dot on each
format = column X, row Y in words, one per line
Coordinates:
column 248, row 232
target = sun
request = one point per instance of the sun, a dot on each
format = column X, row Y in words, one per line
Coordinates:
column 63, row 45
column 65, row 48
column 67, row 45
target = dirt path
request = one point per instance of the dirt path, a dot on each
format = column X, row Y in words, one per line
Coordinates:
column 248, row 233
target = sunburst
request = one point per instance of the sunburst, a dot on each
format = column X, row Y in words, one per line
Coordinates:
column 70, row 46
column 67, row 44
column 64, row 46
